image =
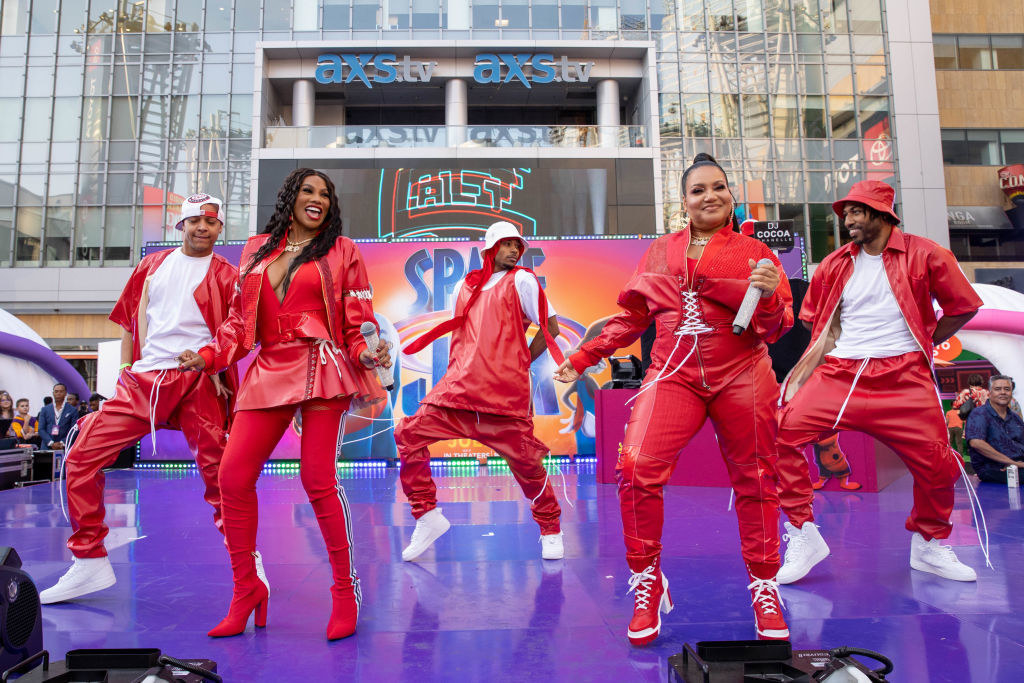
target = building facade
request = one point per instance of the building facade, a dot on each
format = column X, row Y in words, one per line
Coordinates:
column 979, row 67
column 587, row 111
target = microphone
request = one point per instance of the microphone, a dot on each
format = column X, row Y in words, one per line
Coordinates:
column 369, row 332
column 750, row 299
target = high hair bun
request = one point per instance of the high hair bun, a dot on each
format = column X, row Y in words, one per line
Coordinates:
column 704, row 156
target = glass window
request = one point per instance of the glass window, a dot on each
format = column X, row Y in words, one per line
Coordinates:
column 57, row 245
column 485, row 14
column 241, row 116
column 117, row 235
column 973, row 52
column 425, row 15
column 6, row 232
column 67, row 114
column 216, row 78
column 1008, row 52
column 515, row 14
column 218, row 15
column 785, row 116
column 10, row 114
column 28, row 234
column 983, row 148
column 39, row 81
column 14, row 18
column 88, row 234
column 755, row 116
column 306, row 15
column 841, row 116
column 1012, row 142
column 365, row 14
column 215, row 116
column 822, row 231
column 119, row 188
column 603, row 15
column 189, row 16
column 123, row 113
column 44, row 16
column 37, row 121
column 814, row 116
column 723, row 77
column 574, row 15
column 865, row 16
column 336, row 15
column 696, row 115
column 247, row 15
column 945, row 51
column 634, row 15
column 874, row 118
column 839, row 79
column 670, row 114
column 725, row 115
column 806, row 16
column 277, row 15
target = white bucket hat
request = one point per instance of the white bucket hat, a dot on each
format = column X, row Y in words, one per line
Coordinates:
column 499, row 231
column 193, row 206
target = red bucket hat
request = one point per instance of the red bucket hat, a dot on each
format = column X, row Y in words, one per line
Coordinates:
column 874, row 193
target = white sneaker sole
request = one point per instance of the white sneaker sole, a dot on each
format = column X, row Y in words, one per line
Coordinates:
column 922, row 566
column 52, row 595
column 412, row 552
column 822, row 552
column 552, row 553
column 773, row 634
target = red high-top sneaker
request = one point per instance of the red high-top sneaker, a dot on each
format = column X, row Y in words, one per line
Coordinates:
column 652, row 600
column 768, row 606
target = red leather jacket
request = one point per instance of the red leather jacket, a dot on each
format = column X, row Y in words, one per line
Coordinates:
column 656, row 293
column 213, row 296
column 918, row 270
column 347, row 296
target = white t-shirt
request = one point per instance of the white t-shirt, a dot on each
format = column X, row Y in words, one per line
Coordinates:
column 526, row 286
column 872, row 323
column 173, row 319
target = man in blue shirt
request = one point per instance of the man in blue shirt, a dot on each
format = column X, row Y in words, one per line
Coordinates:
column 995, row 433
column 57, row 419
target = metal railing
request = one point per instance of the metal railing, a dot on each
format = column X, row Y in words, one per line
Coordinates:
column 339, row 137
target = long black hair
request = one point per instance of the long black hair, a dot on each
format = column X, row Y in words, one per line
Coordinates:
column 281, row 219
column 705, row 159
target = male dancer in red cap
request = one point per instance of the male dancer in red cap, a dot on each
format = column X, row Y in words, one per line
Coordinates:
column 868, row 368
column 174, row 299
column 485, row 394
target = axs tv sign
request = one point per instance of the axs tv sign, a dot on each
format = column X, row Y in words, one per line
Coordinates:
column 504, row 67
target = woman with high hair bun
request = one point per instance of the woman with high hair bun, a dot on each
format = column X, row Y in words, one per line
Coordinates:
column 690, row 284
column 303, row 295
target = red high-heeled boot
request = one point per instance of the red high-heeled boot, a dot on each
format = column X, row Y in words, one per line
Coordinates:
column 331, row 508
column 344, row 612
column 250, row 594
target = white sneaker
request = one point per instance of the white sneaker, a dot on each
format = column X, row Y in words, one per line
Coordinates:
column 551, row 546
column 86, row 575
column 428, row 529
column 805, row 549
column 260, row 572
column 935, row 558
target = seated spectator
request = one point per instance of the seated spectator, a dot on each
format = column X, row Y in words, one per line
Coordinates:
column 6, row 407
column 995, row 434
column 25, row 428
column 56, row 419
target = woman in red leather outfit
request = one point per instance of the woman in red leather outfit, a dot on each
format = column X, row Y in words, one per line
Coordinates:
column 690, row 284
column 303, row 295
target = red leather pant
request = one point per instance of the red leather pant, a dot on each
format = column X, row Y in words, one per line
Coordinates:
column 511, row 437
column 664, row 419
column 183, row 400
column 894, row 401
column 254, row 434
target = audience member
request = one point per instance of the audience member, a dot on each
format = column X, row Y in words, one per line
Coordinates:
column 95, row 400
column 56, row 419
column 974, row 396
column 25, row 428
column 995, row 434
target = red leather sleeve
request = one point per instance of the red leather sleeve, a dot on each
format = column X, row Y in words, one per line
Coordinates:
column 621, row 330
column 227, row 347
column 949, row 285
column 127, row 304
column 356, row 304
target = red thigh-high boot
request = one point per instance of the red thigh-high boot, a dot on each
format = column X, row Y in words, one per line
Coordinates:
column 321, row 431
column 254, row 433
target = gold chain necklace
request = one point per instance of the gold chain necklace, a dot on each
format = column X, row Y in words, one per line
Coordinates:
column 295, row 246
column 699, row 241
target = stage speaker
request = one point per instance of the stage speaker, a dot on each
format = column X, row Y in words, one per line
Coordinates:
column 21, row 622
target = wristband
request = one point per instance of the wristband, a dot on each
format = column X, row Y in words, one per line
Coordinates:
column 123, row 366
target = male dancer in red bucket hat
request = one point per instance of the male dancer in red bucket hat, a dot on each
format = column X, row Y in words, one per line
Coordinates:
column 868, row 368
column 174, row 299
column 485, row 394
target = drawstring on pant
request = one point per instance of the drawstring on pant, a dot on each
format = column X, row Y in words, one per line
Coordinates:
column 154, row 398
column 70, row 439
column 842, row 409
column 692, row 325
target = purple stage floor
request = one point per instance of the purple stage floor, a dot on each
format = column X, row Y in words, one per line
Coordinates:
column 483, row 606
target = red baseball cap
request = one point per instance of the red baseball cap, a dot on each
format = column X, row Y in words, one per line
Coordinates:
column 874, row 193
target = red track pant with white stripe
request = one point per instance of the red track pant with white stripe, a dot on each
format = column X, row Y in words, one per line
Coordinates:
column 254, row 434
column 664, row 419
column 183, row 400
column 511, row 437
column 894, row 401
